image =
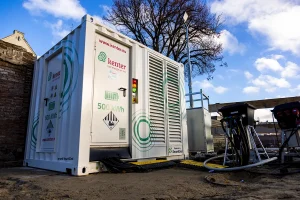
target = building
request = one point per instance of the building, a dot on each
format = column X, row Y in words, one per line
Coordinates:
column 17, row 38
column 16, row 70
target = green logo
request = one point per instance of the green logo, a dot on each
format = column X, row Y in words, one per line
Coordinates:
column 170, row 150
column 113, row 96
column 49, row 76
column 51, row 105
column 102, row 56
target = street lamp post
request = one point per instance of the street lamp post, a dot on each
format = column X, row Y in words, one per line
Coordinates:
column 185, row 17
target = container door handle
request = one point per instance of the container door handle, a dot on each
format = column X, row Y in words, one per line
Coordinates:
column 124, row 91
column 46, row 99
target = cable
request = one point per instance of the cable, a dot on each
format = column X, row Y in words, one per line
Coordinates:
column 240, row 139
column 236, row 168
column 238, row 159
column 275, row 131
column 244, row 142
column 286, row 142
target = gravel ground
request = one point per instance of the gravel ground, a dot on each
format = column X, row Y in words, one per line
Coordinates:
column 174, row 183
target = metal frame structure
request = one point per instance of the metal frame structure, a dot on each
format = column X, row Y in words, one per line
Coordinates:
column 203, row 97
column 254, row 158
column 199, row 126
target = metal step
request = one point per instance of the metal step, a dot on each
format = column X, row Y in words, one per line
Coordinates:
column 99, row 153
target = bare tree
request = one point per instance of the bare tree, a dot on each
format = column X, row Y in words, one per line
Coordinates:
column 159, row 25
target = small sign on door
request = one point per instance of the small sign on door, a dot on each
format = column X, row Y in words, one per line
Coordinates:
column 122, row 133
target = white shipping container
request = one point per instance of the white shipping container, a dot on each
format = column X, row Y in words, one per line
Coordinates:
column 98, row 93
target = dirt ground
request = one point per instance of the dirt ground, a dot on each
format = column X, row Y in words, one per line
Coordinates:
column 174, row 183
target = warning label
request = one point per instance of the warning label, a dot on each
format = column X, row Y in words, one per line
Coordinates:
column 111, row 120
column 50, row 127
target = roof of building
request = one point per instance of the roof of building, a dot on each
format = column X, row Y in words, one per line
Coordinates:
column 15, row 54
column 18, row 34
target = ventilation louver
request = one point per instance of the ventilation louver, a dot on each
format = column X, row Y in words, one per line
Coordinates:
column 157, row 105
column 173, row 105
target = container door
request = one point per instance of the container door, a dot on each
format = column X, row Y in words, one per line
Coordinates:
column 51, row 103
column 111, row 93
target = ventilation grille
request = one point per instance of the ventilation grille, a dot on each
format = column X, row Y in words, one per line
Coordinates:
column 173, row 104
column 157, row 114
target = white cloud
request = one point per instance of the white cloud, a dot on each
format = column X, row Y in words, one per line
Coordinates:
column 230, row 43
column 106, row 9
column 248, row 75
column 243, row 11
column 251, row 89
column 270, row 83
column 220, row 77
column 275, row 19
column 277, row 57
column 280, row 29
column 270, row 89
column 291, row 71
column 296, row 89
column 233, row 70
column 264, row 64
column 58, row 30
column 69, row 9
column 205, row 84
column 220, row 89
column 98, row 19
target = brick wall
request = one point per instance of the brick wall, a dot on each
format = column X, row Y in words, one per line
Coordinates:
column 15, row 91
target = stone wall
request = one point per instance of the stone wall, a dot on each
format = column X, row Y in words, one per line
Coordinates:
column 16, row 71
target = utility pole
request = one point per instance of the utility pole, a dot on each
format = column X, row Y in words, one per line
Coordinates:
column 185, row 17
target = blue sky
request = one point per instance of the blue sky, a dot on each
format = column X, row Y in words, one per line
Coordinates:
column 261, row 41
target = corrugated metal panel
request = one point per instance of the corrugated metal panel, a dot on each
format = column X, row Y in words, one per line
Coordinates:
column 174, row 118
column 156, row 94
column 67, row 109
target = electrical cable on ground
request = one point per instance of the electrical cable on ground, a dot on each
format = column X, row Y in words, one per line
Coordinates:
column 235, row 168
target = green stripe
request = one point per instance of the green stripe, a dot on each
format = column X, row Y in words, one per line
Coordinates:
column 71, row 78
column 66, row 74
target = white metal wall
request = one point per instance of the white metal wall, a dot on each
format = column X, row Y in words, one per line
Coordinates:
column 66, row 149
